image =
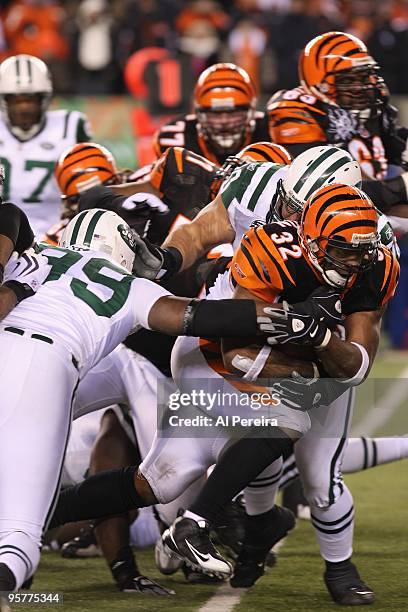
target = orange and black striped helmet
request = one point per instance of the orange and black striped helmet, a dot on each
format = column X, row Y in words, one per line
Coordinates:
column 257, row 152
column 83, row 166
column 337, row 68
column 339, row 233
column 265, row 152
column 224, row 102
column 224, row 87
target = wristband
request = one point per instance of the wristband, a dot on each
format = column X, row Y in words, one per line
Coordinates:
column 172, row 262
column 21, row 290
column 1, row 273
column 326, row 340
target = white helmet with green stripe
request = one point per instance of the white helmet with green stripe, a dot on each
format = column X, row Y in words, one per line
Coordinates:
column 103, row 231
column 312, row 169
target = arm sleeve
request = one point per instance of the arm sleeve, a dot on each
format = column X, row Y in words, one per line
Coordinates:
column 14, row 224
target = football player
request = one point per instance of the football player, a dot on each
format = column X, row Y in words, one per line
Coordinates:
column 183, row 181
column 88, row 302
column 341, row 100
column 33, row 137
column 338, row 239
column 224, row 121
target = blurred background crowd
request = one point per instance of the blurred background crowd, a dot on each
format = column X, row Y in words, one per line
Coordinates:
column 87, row 43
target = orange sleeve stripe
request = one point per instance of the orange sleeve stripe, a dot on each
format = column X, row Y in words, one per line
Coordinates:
column 390, row 279
column 178, row 156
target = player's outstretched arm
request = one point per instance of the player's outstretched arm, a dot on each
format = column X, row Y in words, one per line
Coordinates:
column 208, row 318
column 210, row 228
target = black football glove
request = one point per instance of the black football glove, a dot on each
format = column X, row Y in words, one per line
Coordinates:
column 323, row 302
column 154, row 262
column 283, row 325
column 301, row 393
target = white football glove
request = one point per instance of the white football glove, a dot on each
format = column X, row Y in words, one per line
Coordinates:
column 25, row 274
column 140, row 201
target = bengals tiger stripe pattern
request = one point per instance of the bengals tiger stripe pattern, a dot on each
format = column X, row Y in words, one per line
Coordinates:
column 224, row 86
column 82, row 166
column 327, row 55
column 266, row 152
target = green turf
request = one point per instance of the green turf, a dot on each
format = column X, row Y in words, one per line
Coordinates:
column 295, row 584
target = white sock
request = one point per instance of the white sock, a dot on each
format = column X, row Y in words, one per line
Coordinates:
column 20, row 554
column 260, row 495
column 334, row 528
column 364, row 453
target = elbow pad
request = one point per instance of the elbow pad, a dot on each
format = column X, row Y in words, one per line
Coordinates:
column 220, row 318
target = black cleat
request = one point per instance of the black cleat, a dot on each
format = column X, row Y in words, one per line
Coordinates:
column 142, row 585
column 346, row 587
column 194, row 577
column 189, row 540
column 83, row 546
column 229, row 527
column 262, row 532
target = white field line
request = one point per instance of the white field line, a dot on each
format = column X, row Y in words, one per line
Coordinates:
column 224, row 600
column 384, row 408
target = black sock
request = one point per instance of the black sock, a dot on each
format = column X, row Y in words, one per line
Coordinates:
column 7, row 578
column 237, row 467
column 124, row 566
column 338, row 566
column 104, row 494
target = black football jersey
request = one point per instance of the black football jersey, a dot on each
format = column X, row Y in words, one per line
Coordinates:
column 183, row 132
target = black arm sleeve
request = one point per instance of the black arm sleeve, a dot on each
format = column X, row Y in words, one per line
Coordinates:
column 386, row 193
column 14, row 224
column 100, row 197
column 220, row 318
column 103, row 197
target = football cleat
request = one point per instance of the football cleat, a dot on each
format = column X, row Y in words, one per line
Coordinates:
column 189, row 540
column 144, row 586
column 260, row 537
column 165, row 563
column 346, row 587
column 194, row 577
column 83, row 546
column 229, row 527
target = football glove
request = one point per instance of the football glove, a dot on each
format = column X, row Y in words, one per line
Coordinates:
column 283, row 325
column 154, row 262
column 301, row 393
column 26, row 275
column 144, row 202
column 298, row 392
column 323, row 302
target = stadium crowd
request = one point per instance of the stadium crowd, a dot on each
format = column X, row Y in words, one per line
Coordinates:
column 86, row 43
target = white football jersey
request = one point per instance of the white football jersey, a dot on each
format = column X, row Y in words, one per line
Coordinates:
column 248, row 195
column 87, row 303
column 29, row 166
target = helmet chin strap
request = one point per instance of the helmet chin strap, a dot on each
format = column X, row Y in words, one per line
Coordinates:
column 333, row 278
